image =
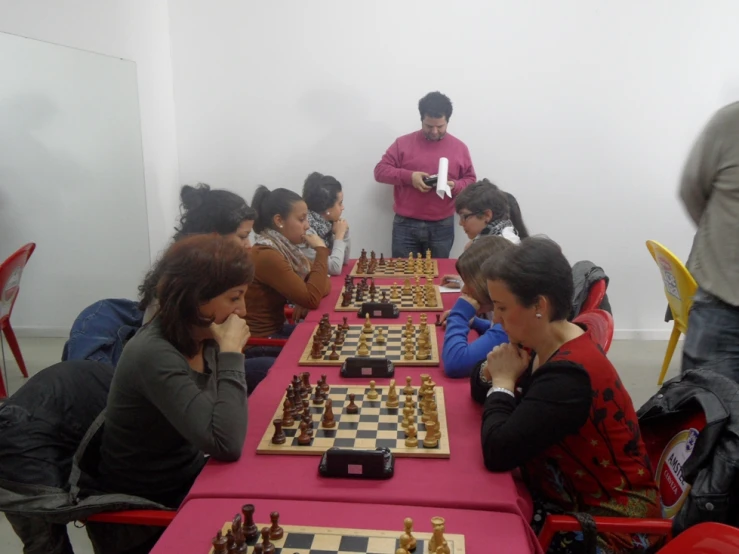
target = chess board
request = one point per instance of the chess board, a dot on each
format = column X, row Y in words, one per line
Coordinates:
column 308, row 540
column 392, row 349
column 406, row 303
column 374, row 426
column 396, row 267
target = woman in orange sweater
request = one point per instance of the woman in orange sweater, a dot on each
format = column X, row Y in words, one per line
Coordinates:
column 282, row 272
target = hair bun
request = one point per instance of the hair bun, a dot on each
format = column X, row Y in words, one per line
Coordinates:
column 193, row 197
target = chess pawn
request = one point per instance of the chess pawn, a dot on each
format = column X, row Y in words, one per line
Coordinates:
column 380, row 338
column 408, row 389
column 394, row 295
column 367, row 329
column 279, row 436
column 411, row 423
column 423, row 353
column 325, row 387
column 275, row 531
column 372, row 393
column 411, row 440
column 220, row 544
column 363, row 349
column 407, row 412
column 352, row 408
column 328, row 421
column 408, row 524
column 409, row 355
column 409, row 402
column 287, row 413
column 267, row 546
column 304, row 439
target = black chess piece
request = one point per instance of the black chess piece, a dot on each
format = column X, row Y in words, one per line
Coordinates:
column 250, row 529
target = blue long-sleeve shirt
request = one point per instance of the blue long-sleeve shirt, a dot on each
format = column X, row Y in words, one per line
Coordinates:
column 460, row 356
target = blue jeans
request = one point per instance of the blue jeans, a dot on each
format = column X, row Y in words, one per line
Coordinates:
column 416, row 236
column 712, row 341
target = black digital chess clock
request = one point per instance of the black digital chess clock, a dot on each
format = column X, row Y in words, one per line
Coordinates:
column 379, row 309
column 367, row 367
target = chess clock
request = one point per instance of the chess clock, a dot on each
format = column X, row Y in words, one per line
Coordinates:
column 367, row 367
column 379, row 309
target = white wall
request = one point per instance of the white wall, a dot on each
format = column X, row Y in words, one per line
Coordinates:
column 583, row 110
column 136, row 30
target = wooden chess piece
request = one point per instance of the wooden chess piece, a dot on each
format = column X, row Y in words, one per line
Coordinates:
column 351, row 408
column 408, row 524
column 438, row 320
column 275, row 531
column 250, row 529
column 382, row 259
column 304, row 439
column 411, row 440
column 408, row 389
column 279, row 436
column 306, row 382
column 394, row 292
column 407, row 412
column 316, row 351
column 334, row 354
column 267, row 546
column 339, row 340
column 258, row 549
column 409, row 402
column 318, row 397
column 437, row 539
column 220, row 544
column 345, row 324
column 430, row 441
column 409, row 355
column 287, row 413
column 328, row 421
column 367, row 328
column 392, row 396
column 363, row 349
column 359, row 296
column 423, row 353
column 380, row 338
column 384, row 299
column 346, row 298
column 372, row 393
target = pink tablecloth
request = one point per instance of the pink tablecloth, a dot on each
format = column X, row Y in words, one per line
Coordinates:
column 459, row 482
column 198, row 521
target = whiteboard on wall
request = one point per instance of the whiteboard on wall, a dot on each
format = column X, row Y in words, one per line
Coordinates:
column 71, row 180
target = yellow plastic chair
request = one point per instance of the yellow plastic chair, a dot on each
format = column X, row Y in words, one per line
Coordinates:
column 680, row 288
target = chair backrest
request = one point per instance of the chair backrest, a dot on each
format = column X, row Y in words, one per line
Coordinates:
column 669, row 441
column 679, row 284
column 705, row 538
column 600, row 325
column 10, row 278
column 596, row 294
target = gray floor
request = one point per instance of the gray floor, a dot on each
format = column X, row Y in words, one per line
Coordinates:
column 638, row 363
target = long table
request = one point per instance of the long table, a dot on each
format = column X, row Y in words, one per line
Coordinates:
column 198, row 521
column 458, row 483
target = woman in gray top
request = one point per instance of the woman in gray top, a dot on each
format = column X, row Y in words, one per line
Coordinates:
column 325, row 200
column 179, row 392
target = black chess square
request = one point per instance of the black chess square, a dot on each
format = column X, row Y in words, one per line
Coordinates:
column 301, row 541
column 366, row 434
column 354, row 544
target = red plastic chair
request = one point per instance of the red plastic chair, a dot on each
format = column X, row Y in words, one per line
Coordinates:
column 254, row 341
column 705, row 538
column 596, row 294
column 600, row 325
column 10, row 279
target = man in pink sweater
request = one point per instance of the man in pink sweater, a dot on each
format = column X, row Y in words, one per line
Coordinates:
column 423, row 220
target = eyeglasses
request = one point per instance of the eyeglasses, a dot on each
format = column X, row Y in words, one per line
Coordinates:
column 464, row 217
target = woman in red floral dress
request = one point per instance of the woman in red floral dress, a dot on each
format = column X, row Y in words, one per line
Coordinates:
column 560, row 412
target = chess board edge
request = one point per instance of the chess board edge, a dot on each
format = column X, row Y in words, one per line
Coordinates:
column 433, row 360
column 454, row 540
column 443, row 451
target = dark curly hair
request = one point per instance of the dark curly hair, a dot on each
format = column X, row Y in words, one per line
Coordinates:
column 320, row 191
column 480, row 196
column 191, row 272
column 206, row 210
column 435, row 104
column 202, row 210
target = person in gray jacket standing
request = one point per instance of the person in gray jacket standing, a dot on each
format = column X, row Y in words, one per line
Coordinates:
column 709, row 190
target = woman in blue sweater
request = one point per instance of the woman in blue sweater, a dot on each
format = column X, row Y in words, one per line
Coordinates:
column 461, row 356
